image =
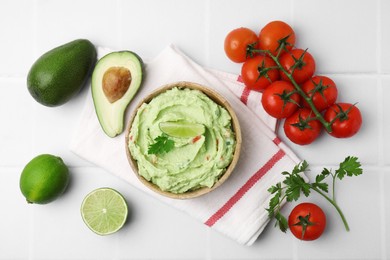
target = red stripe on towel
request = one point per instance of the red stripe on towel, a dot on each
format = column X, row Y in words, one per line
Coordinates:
column 239, row 79
column 245, row 188
column 277, row 140
column 245, row 92
column 245, row 95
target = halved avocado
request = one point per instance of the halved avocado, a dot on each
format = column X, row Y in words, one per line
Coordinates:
column 115, row 80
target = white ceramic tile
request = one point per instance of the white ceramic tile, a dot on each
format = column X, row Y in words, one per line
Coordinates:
column 264, row 247
column 386, row 120
column 17, row 119
column 225, row 16
column 386, row 209
column 17, row 30
column 58, row 226
column 59, row 22
column 334, row 31
column 349, row 193
column 385, row 36
column 15, row 217
column 153, row 25
column 356, row 196
column 53, row 128
column 157, row 231
column 149, row 221
column 365, row 144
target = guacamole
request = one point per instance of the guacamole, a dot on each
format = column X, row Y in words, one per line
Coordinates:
column 194, row 162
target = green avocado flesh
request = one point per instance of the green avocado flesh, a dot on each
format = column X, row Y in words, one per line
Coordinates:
column 60, row 73
column 115, row 80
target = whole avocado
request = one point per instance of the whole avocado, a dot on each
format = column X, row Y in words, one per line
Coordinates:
column 61, row 73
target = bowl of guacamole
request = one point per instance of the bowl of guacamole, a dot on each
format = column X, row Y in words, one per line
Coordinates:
column 183, row 140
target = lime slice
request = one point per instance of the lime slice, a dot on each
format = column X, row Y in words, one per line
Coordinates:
column 104, row 211
column 182, row 129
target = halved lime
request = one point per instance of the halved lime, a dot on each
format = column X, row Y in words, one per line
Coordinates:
column 182, row 129
column 104, row 211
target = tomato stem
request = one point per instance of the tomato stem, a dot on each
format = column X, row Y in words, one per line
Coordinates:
column 309, row 100
column 304, row 222
column 333, row 202
column 333, row 186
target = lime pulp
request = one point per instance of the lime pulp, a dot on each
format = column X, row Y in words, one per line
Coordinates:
column 104, row 211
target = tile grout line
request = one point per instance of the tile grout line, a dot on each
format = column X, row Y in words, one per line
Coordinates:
column 208, row 255
column 381, row 167
column 207, row 32
column 207, row 6
column 120, row 40
column 380, row 106
column 119, row 5
column 119, row 18
column 313, row 167
column 292, row 13
column 294, row 246
column 12, row 77
column 33, row 130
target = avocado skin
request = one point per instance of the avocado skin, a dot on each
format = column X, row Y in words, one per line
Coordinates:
column 60, row 73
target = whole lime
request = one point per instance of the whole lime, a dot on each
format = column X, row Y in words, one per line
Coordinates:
column 44, row 178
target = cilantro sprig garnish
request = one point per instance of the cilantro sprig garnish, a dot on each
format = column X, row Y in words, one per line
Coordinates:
column 162, row 144
column 294, row 184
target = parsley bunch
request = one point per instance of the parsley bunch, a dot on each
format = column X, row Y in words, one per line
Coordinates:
column 290, row 189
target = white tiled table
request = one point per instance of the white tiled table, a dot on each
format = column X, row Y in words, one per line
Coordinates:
column 349, row 39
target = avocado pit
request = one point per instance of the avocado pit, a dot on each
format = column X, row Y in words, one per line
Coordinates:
column 116, row 82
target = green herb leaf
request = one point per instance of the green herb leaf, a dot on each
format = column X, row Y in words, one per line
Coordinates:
column 301, row 167
column 274, row 203
column 162, row 144
column 281, row 222
column 350, row 167
column 319, row 180
column 295, row 183
column 275, row 188
column 321, row 186
column 325, row 172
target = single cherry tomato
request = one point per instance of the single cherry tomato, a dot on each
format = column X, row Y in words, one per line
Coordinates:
column 299, row 63
column 280, row 99
column 301, row 127
column 274, row 34
column 345, row 119
column 322, row 90
column 307, row 221
column 239, row 42
column 259, row 72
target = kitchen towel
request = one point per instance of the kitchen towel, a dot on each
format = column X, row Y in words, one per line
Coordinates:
column 236, row 208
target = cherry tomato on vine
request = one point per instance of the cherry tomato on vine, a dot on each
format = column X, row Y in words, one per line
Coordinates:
column 237, row 43
column 301, row 127
column 298, row 62
column 348, row 121
column 280, row 99
column 259, row 72
column 273, row 34
column 307, row 221
column 322, row 90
